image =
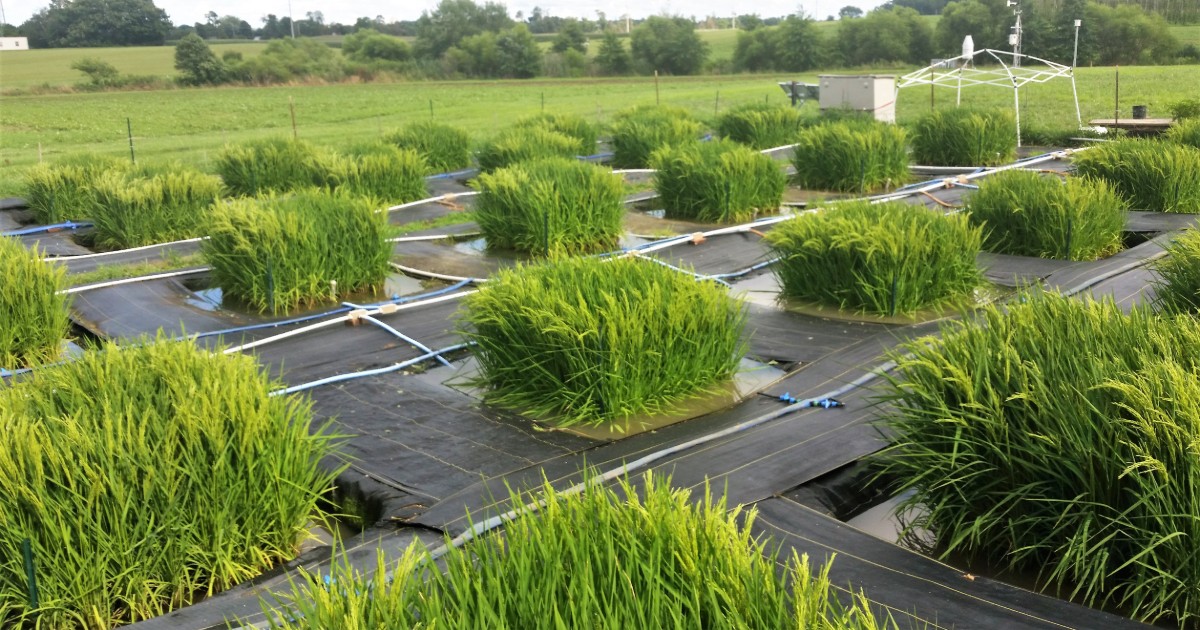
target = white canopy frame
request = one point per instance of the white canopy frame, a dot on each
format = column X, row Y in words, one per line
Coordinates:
column 1013, row 72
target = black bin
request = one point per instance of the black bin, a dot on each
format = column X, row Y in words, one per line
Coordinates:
column 1139, row 112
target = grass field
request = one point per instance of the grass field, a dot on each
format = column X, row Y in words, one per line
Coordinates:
column 191, row 124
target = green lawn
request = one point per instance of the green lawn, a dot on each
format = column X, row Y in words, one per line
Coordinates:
column 31, row 68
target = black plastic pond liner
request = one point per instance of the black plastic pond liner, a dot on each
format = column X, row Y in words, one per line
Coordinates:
column 917, row 591
column 1019, row 271
column 13, row 203
column 54, row 243
column 142, row 308
column 1127, row 289
column 1082, row 275
column 1142, row 221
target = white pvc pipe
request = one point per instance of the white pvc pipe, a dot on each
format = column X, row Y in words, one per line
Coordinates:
column 434, row 275
column 469, row 193
column 429, row 237
column 157, row 276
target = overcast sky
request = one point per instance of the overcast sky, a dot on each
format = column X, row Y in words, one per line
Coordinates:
column 347, row 11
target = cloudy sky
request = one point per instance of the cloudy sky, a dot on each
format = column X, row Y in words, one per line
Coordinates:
column 347, row 11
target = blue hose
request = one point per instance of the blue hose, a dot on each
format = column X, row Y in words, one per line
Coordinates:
column 69, row 225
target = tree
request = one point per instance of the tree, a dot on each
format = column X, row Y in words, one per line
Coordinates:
column 1060, row 45
column 100, row 73
column 85, row 23
column 570, row 37
column 370, row 45
column 986, row 21
column 895, row 35
column 197, row 63
column 849, row 12
column 749, row 22
column 612, row 58
column 755, row 51
column 797, row 44
column 668, row 45
column 454, row 20
column 518, row 55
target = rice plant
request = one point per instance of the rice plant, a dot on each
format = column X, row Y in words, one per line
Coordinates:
column 444, row 147
column 377, row 171
column 965, row 137
column 63, row 191
column 130, row 212
column 551, row 206
column 885, row 259
column 1059, row 437
column 519, row 144
column 851, row 156
column 640, row 556
column 1185, row 132
column 638, row 132
column 276, row 253
column 1177, row 286
column 270, row 165
column 1026, row 214
column 33, row 312
column 590, row 341
column 760, row 125
column 570, row 125
column 145, row 478
column 717, row 182
column 1153, row 175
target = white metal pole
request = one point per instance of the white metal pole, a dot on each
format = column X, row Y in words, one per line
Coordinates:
column 291, row 20
column 1017, row 107
column 1075, row 57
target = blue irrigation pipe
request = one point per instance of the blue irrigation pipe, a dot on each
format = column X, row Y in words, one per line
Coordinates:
column 698, row 276
column 365, row 373
column 403, row 337
column 453, row 174
column 57, row 227
column 742, row 272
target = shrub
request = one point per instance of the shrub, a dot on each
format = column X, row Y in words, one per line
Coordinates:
column 270, row 165
column 884, row 259
column 279, row 252
column 717, row 182
column 63, row 191
column 965, row 137
column 378, row 171
column 690, row 563
column 1186, row 108
column 444, row 148
column 851, row 156
column 594, row 341
column 639, row 132
column 552, row 205
column 1152, row 175
column 1177, row 287
column 34, row 313
column 568, row 125
column 761, row 126
column 1058, row 436
column 130, row 212
column 147, row 477
column 1026, row 214
column 528, row 143
column 1186, row 132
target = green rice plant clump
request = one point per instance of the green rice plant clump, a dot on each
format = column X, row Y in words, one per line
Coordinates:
column 63, row 191
column 551, row 206
column 33, row 311
column 130, row 212
column 761, row 126
column 525, row 143
column 594, row 341
column 851, row 157
column 276, row 253
column 1026, row 214
column 444, row 147
column 1177, row 287
column 1153, row 175
column 570, row 125
column 717, row 182
column 378, row 171
column 147, row 477
column 638, row 132
column 270, row 165
column 885, row 259
column 1186, row 132
column 1060, row 437
column 965, row 137
column 640, row 556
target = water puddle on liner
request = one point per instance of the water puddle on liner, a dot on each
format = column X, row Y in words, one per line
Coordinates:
column 882, row 522
column 209, row 298
column 752, row 377
column 478, row 247
column 758, row 290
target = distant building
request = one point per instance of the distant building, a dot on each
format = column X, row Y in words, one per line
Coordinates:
column 14, row 43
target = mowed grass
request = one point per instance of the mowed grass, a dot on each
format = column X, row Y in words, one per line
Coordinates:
column 33, row 68
column 190, row 125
